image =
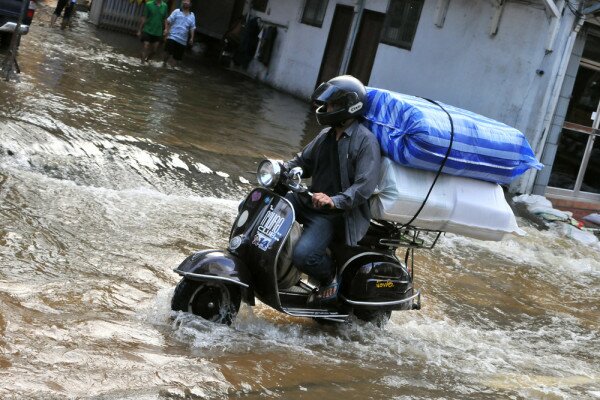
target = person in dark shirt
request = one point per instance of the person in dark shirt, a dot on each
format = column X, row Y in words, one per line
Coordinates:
column 343, row 161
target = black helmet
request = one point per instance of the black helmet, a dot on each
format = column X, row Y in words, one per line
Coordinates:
column 346, row 93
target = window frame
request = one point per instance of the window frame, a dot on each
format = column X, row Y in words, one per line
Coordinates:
column 314, row 22
column 407, row 45
column 262, row 6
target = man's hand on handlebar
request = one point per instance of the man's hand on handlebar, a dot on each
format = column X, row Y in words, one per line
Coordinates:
column 321, row 200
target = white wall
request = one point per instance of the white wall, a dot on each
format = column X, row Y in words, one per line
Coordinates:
column 463, row 65
column 95, row 11
column 298, row 49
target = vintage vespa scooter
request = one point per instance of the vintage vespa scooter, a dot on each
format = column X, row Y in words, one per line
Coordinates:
column 257, row 263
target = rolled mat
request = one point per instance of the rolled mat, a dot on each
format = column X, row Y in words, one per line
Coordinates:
column 415, row 132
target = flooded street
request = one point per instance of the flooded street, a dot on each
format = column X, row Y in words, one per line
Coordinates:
column 111, row 173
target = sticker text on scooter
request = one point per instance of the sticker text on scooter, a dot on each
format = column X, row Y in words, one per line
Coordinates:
column 262, row 242
column 268, row 230
column 270, row 225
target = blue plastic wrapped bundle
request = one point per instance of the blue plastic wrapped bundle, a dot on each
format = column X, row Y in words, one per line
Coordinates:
column 416, row 133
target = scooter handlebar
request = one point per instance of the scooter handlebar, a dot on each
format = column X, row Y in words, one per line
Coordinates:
column 294, row 176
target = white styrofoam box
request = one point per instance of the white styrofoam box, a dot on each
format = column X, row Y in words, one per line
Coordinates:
column 458, row 205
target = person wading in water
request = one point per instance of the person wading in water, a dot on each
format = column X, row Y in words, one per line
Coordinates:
column 151, row 27
column 179, row 31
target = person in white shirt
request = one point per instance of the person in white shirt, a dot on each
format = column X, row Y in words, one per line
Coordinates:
column 179, row 31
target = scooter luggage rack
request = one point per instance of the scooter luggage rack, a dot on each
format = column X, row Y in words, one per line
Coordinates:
column 410, row 236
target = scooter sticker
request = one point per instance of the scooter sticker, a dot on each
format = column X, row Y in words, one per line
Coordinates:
column 243, row 218
column 384, row 284
column 268, row 230
column 261, row 241
column 270, row 224
column 256, row 195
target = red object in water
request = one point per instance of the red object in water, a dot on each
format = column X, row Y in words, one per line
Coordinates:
column 31, row 9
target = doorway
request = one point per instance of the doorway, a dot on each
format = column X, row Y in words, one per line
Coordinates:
column 576, row 169
column 366, row 45
column 336, row 43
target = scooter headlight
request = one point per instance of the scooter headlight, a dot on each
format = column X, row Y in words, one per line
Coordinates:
column 268, row 173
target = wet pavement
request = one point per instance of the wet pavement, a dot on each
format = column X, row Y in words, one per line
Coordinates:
column 112, row 172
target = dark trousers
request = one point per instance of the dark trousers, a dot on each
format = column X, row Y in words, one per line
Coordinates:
column 310, row 254
column 60, row 6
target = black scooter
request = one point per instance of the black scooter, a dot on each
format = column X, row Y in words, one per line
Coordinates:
column 257, row 263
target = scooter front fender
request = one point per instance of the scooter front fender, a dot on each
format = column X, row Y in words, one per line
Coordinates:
column 217, row 265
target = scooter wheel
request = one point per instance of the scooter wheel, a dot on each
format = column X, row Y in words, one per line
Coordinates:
column 377, row 317
column 213, row 301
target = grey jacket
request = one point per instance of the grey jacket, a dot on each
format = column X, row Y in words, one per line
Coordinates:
column 360, row 161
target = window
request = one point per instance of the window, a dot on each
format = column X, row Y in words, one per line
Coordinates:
column 591, row 51
column 314, row 12
column 401, row 22
column 260, row 5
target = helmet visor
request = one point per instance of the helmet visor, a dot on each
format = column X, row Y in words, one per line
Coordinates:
column 327, row 93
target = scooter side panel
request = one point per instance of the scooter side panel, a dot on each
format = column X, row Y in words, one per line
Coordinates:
column 370, row 278
column 217, row 265
column 262, row 227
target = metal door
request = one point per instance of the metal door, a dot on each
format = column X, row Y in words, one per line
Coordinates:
column 336, row 42
column 365, row 46
column 213, row 17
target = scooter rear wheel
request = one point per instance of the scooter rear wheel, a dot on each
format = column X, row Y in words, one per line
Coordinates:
column 377, row 317
column 213, row 301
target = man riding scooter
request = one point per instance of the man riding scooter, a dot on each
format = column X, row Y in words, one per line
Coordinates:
column 343, row 161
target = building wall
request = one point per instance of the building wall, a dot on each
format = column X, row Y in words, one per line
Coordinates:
column 509, row 76
column 299, row 48
column 460, row 63
column 463, row 65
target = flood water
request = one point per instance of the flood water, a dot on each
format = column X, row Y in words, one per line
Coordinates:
column 112, row 172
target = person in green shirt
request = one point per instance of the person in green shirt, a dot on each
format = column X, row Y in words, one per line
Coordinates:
column 151, row 27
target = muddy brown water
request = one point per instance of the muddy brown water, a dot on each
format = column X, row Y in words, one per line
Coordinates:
column 112, row 172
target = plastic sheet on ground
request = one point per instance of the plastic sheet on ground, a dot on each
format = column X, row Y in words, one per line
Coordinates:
column 561, row 220
column 594, row 218
column 585, row 237
column 416, row 133
column 533, row 200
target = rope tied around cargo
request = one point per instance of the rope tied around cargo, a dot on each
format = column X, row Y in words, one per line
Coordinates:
column 441, row 165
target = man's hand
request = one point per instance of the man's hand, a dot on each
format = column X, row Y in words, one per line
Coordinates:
column 139, row 33
column 321, row 200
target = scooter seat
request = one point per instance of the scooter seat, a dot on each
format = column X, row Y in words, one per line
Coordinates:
column 378, row 229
